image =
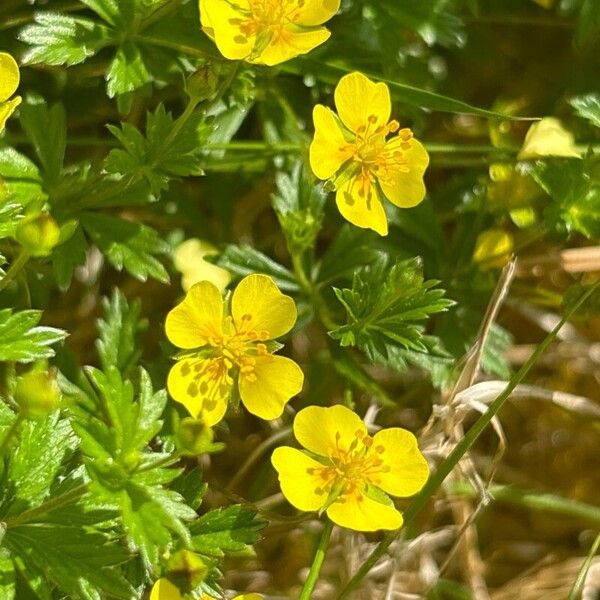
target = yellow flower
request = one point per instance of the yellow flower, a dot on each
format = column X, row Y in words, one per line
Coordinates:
column 9, row 82
column 352, row 149
column 548, row 137
column 493, row 248
column 266, row 32
column 233, row 349
column 163, row 589
column 189, row 261
column 348, row 473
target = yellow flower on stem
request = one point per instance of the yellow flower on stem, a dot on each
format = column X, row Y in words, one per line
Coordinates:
column 346, row 472
column 163, row 589
column 266, row 32
column 9, row 82
column 353, row 150
column 235, row 349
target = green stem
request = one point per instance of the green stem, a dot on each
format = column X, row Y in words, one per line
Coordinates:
column 15, row 269
column 575, row 592
column 46, row 507
column 315, row 568
column 446, row 466
column 11, row 433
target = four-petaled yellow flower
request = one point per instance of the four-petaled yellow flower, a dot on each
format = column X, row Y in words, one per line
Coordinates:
column 9, row 82
column 348, row 473
column 352, row 149
column 266, row 32
column 233, row 348
column 163, row 589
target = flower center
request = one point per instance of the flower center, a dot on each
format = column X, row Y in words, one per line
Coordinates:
column 266, row 19
column 351, row 469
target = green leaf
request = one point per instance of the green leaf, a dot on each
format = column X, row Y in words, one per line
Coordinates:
column 588, row 24
column 21, row 178
column 7, row 578
column 128, row 245
column 22, row 340
column 117, row 331
column 10, row 214
column 244, row 260
column 127, row 71
column 587, row 107
column 67, row 256
column 37, row 459
column 331, row 72
column 79, row 561
column 59, row 39
column 385, row 308
column 47, row 130
column 226, row 530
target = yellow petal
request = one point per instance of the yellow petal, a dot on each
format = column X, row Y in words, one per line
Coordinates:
column 297, row 483
column 316, row 12
column 408, row 469
column 328, row 150
column 493, row 248
column 163, row 589
column 203, row 386
column 406, row 189
column 9, row 76
column 364, row 211
column 249, row 597
column 360, row 513
column 321, row 429
column 221, row 16
column 258, row 305
column 7, row 109
column 189, row 261
column 197, row 319
column 291, row 44
column 361, row 102
column 548, row 137
column 277, row 380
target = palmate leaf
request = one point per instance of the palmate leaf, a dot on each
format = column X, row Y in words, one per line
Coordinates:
column 22, row 340
column 385, row 309
column 226, row 530
column 128, row 245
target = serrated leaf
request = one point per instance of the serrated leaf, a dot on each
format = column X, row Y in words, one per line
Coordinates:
column 245, row 260
column 67, row 257
column 59, row 39
column 117, row 331
column 385, row 308
column 21, row 178
column 127, row 71
column 226, row 530
column 587, row 107
column 128, row 245
column 22, row 340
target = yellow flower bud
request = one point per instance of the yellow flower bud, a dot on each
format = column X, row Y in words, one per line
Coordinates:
column 548, row 137
column 37, row 392
column 187, row 569
column 202, row 84
column 493, row 248
column 38, row 234
column 194, row 436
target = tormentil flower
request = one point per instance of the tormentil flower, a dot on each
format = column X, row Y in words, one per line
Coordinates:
column 352, row 149
column 266, row 31
column 548, row 137
column 346, row 472
column 9, row 82
column 233, row 349
column 163, row 589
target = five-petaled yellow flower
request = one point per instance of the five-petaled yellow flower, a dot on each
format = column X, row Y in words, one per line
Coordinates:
column 163, row 589
column 352, row 149
column 266, row 32
column 346, row 472
column 236, row 348
column 9, row 82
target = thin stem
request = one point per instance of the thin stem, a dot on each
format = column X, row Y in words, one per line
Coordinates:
column 315, row 568
column 576, row 590
column 11, row 433
column 15, row 268
column 46, row 507
column 446, row 466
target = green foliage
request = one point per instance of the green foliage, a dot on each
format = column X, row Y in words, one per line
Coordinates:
column 587, row 107
column 22, row 339
column 384, row 309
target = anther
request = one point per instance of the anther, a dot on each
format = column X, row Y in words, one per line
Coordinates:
column 372, row 119
column 393, row 126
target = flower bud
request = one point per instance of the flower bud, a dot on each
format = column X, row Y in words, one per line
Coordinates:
column 37, row 392
column 38, row 234
column 194, row 437
column 202, row 84
column 186, row 569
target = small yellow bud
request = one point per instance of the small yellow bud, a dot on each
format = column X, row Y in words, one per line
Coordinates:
column 38, row 234
column 548, row 137
column 493, row 248
column 194, row 436
column 37, row 392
